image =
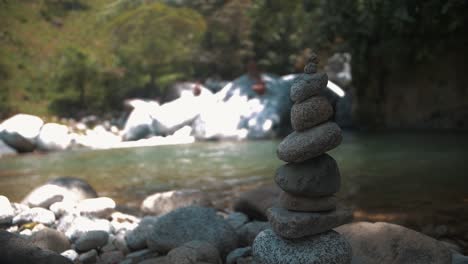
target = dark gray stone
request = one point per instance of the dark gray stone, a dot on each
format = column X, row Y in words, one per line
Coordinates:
column 307, row 204
column 192, row 223
column 194, row 252
column 311, row 112
column 310, row 68
column 91, row 240
column 89, row 257
column 290, row 224
column 237, row 219
column 136, row 239
column 254, row 203
column 308, row 144
column 14, row 250
column 237, row 254
column 50, row 239
column 308, row 85
column 325, row 248
column 249, row 231
column 312, row 178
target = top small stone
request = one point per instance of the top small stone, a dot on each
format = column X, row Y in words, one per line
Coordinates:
column 313, row 59
column 311, row 65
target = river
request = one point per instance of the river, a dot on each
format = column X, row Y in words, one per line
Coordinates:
column 416, row 179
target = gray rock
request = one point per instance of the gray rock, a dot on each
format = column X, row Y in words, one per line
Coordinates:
column 192, row 223
column 328, row 247
column 290, row 225
column 237, row 219
column 157, row 260
column 165, row 202
column 307, row 204
column 312, row 178
column 193, row 252
column 101, row 207
column 249, row 231
column 311, row 112
column 14, row 250
column 390, row 243
column 70, row 189
column 37, row 215
column 89, row 257
column 237, row 254
column 308, row 144
column 50, row 239
column 254, row 203
column 308, row 85
column 111, row 257
column 74, row 227
column 20, row 132
column 136, row 239
column 70, row 254
column 91, row 240
column 138, row 256
column 6, row 210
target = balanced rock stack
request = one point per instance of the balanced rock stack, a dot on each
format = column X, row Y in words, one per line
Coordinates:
column 302, row 223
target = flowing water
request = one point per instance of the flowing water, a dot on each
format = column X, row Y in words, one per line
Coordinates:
column 416, row 179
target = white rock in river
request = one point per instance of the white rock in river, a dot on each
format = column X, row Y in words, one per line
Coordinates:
column 37, row 214
column 6, row 211
column 53, row 137
column 20, row 132
column 74, row 227
column 100, row 207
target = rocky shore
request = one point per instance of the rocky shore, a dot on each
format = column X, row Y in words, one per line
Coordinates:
column 65, row 221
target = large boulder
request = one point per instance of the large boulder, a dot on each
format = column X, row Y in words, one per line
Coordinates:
column 53, row 137
column 139, row 123
column 20, row 132
column 60, row 189
column 389, row 243
column 255, row 203
column 14, row 250
column 165, row 202
column 192, row 223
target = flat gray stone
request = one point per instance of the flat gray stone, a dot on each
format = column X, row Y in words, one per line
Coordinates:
column 311, row 112
column 91, row 240
column 325, row 248
column 192, row 223
column 290, row 224
column 307, row 204
column 312, row 178
column 308, row 144
column 308, row 85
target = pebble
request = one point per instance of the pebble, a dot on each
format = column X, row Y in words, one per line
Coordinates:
column 165, row 202
column 306, row 204
column 70, row 254
column 111, row 257
column 312, row 178
column 6, row 210
column 50, row 239
column 301, row 146
column 290, row 224
column 237, row 254
column 37, row 215
column 237, row 219
column 101, row 207
column 249, row 231
column 89, row 257
column 74, row 227
column 308, row 85
column 328, row 247
column 91, row 240
column 311, row 112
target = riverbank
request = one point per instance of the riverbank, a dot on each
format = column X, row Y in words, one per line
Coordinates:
column 67, row 217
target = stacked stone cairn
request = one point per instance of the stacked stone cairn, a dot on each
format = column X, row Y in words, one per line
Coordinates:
column 307, row 210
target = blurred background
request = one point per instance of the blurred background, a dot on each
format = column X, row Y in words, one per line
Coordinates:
column 112, row 91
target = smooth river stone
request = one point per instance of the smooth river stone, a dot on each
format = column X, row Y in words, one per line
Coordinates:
column 290, row 224
column 308, row 85
column 306, row 204
column 329, row 247
column 308, row 144
column 310, row 113
column 312, row 178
